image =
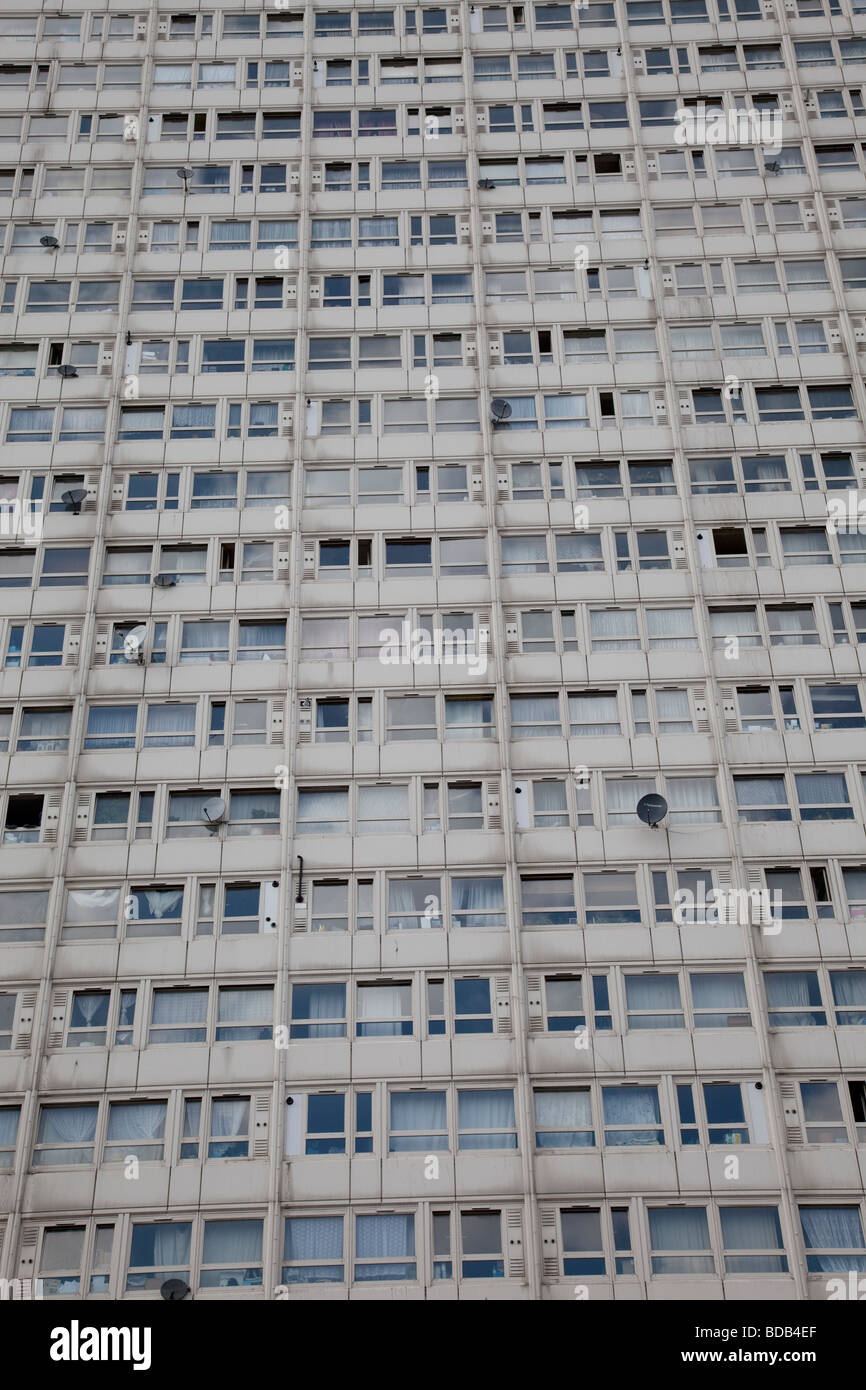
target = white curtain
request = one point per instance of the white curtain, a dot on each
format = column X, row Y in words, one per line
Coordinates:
column 204, row 636
column 401, row 175
column 563, row 1110
column 407, row 903
column 647, row 992
column 161, row 904
column 419, row 1110
column 230, row 1118
column 232, row 1242
column 49, row 725
column 171, row 722
column 86, row 423
column 822, row 788
column 68, row 1124
column 734, row 622
column 9, row 1116
column 88, row 1008
column 524, row 554
column 464, row 712
column 670, row 627
column 791, row 988
column 679, row 1228
column 579, row 552
column 486, row 1110
column 611, row 627
column 328, row 809
column 92, row 905
column 849, row 987
column 446, row 173
column 631, row 1105
column 718, row 990
column 321, row 1003
column 474, row 895
column 385, row 1235
column 241, row 1005
column 313, row 1238
column 622, row 797
column 693, row 799
column 137, row 1120
column 383, row 808
column 751, row 1228
column 179, row 1006
column 549, row 803
column 383, row 1002
column 565, row 412
column 832, row 1228
column 332, row 231
column 375, row 231
column 596, row 714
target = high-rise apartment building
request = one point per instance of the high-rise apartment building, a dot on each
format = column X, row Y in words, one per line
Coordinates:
column 427, row 432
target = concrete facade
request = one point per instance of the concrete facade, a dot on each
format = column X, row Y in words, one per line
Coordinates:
column 469, row 452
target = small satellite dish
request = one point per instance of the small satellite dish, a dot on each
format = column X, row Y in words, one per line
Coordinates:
column 486, row 183
column 73, row 499
column 651, row 809
column 66, row 369
column 213, row 811
column 184, row 174
column 133, row 643
column 173, row 1290
column 49, row 242
column 500, row 410
column 165, row 581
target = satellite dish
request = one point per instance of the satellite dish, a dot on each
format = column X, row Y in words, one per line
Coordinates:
column 213, row 811
column 165, row 581
column 486, row 183
column 184, row 174
column 500, row 410
column 651, row 809
column 49, row 242
column 173, row 1290
column 133, row 643
column 66, row 369
column 73, row 499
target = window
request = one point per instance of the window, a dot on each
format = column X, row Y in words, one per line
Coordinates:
column 135, row 1128
column 680, row 1241
column 318, row 1011
column 418, row 1122
column 384, row 1247
column 44, row 730
column 486, row 1120
column 563, row 1119
column 65, row 1135
column 548, row 901
column 833, row 1237
column 794, row 999
column 384, row 1010
column 653, row 1001
column 719, row 999
column 313, row 1248
column 632, row 1117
